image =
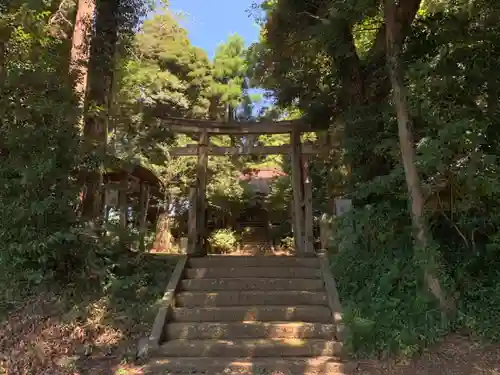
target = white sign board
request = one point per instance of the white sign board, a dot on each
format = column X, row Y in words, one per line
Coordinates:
column 111, row 197
column 183, row 244
column 342, row 206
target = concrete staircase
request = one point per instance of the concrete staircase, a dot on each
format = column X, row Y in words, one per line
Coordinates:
column 255, row 240
column 249, row 315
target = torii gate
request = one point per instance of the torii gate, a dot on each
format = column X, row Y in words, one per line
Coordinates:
column 301, row 182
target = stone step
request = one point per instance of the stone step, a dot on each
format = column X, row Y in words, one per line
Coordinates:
column 313, row 314
column 251, row 284
column 243, row 366
column 250, row 298
column 257, row 272
column 250, row 348
column 255, row 246
column 250, row 330
column 253, row 261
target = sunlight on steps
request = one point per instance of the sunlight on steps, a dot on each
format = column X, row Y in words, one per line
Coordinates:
column 250, row 315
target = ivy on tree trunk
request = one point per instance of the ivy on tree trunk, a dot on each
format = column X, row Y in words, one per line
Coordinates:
column 101, row 73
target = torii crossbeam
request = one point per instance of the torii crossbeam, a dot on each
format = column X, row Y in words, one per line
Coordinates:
column 301, row 182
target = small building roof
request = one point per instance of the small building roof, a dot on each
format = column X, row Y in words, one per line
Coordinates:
column 261, row 173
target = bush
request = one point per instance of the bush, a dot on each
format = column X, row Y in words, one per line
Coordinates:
column 288, row 243
column 387, row 308
column 223, row 240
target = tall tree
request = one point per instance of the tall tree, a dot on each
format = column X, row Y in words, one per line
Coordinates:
column 406, row 142
column 229, row 73
column 80, row 47
column 39, row 144
column 101, row 73
column 169, row 72
column 308, row 57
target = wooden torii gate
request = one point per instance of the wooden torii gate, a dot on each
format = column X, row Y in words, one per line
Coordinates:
column 301, row 181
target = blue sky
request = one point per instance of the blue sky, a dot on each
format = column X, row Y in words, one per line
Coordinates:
column 210, row 22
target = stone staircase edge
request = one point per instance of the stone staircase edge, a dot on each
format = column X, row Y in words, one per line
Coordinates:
column 332, row 296
column 146, row 345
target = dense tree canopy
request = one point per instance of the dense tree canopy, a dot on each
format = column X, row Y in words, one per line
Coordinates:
column 328, row 58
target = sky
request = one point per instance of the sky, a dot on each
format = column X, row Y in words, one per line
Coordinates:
column 210, row 22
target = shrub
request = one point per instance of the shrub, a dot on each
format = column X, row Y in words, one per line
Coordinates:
column 387, row 308
column 288, row 243
column 223, row 240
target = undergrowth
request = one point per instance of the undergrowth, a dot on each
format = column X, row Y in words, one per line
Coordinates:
column 387, row 308
column 68, row 328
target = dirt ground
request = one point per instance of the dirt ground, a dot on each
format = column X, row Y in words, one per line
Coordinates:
column 457, row 355
column 73, row 332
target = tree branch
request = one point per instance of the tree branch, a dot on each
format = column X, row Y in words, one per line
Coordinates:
column 374, row 70
column 325, row 21
column 349, row 66
column 405, row 14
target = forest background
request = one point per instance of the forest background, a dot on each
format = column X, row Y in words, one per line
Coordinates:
column 407, row 95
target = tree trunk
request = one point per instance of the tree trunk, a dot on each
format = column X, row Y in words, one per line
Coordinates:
column 80, row 47
column 3, row 56
column 400, row 102
column 493, row 131
column 79, row 63
column 163, row 236
column 101, row 66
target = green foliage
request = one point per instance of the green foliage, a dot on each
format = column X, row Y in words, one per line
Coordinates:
column 41, row 151
column 452, row 60
column 387, row 308
column 229, row 71
column 223, row 241
column 224, row 190
column 38, row 176
column 288, row 243
column 279, row 198
column 306, row 59
column 166, row 72
column 169, row 70
column 96, row 311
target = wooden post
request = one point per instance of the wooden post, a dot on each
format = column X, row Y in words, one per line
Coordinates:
column 143, row 213
column 308, row 211
column 201, row 193
column 106, row 214
column 192, row 232
column 107, row 194
column 123, row 202
column 298, row 194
